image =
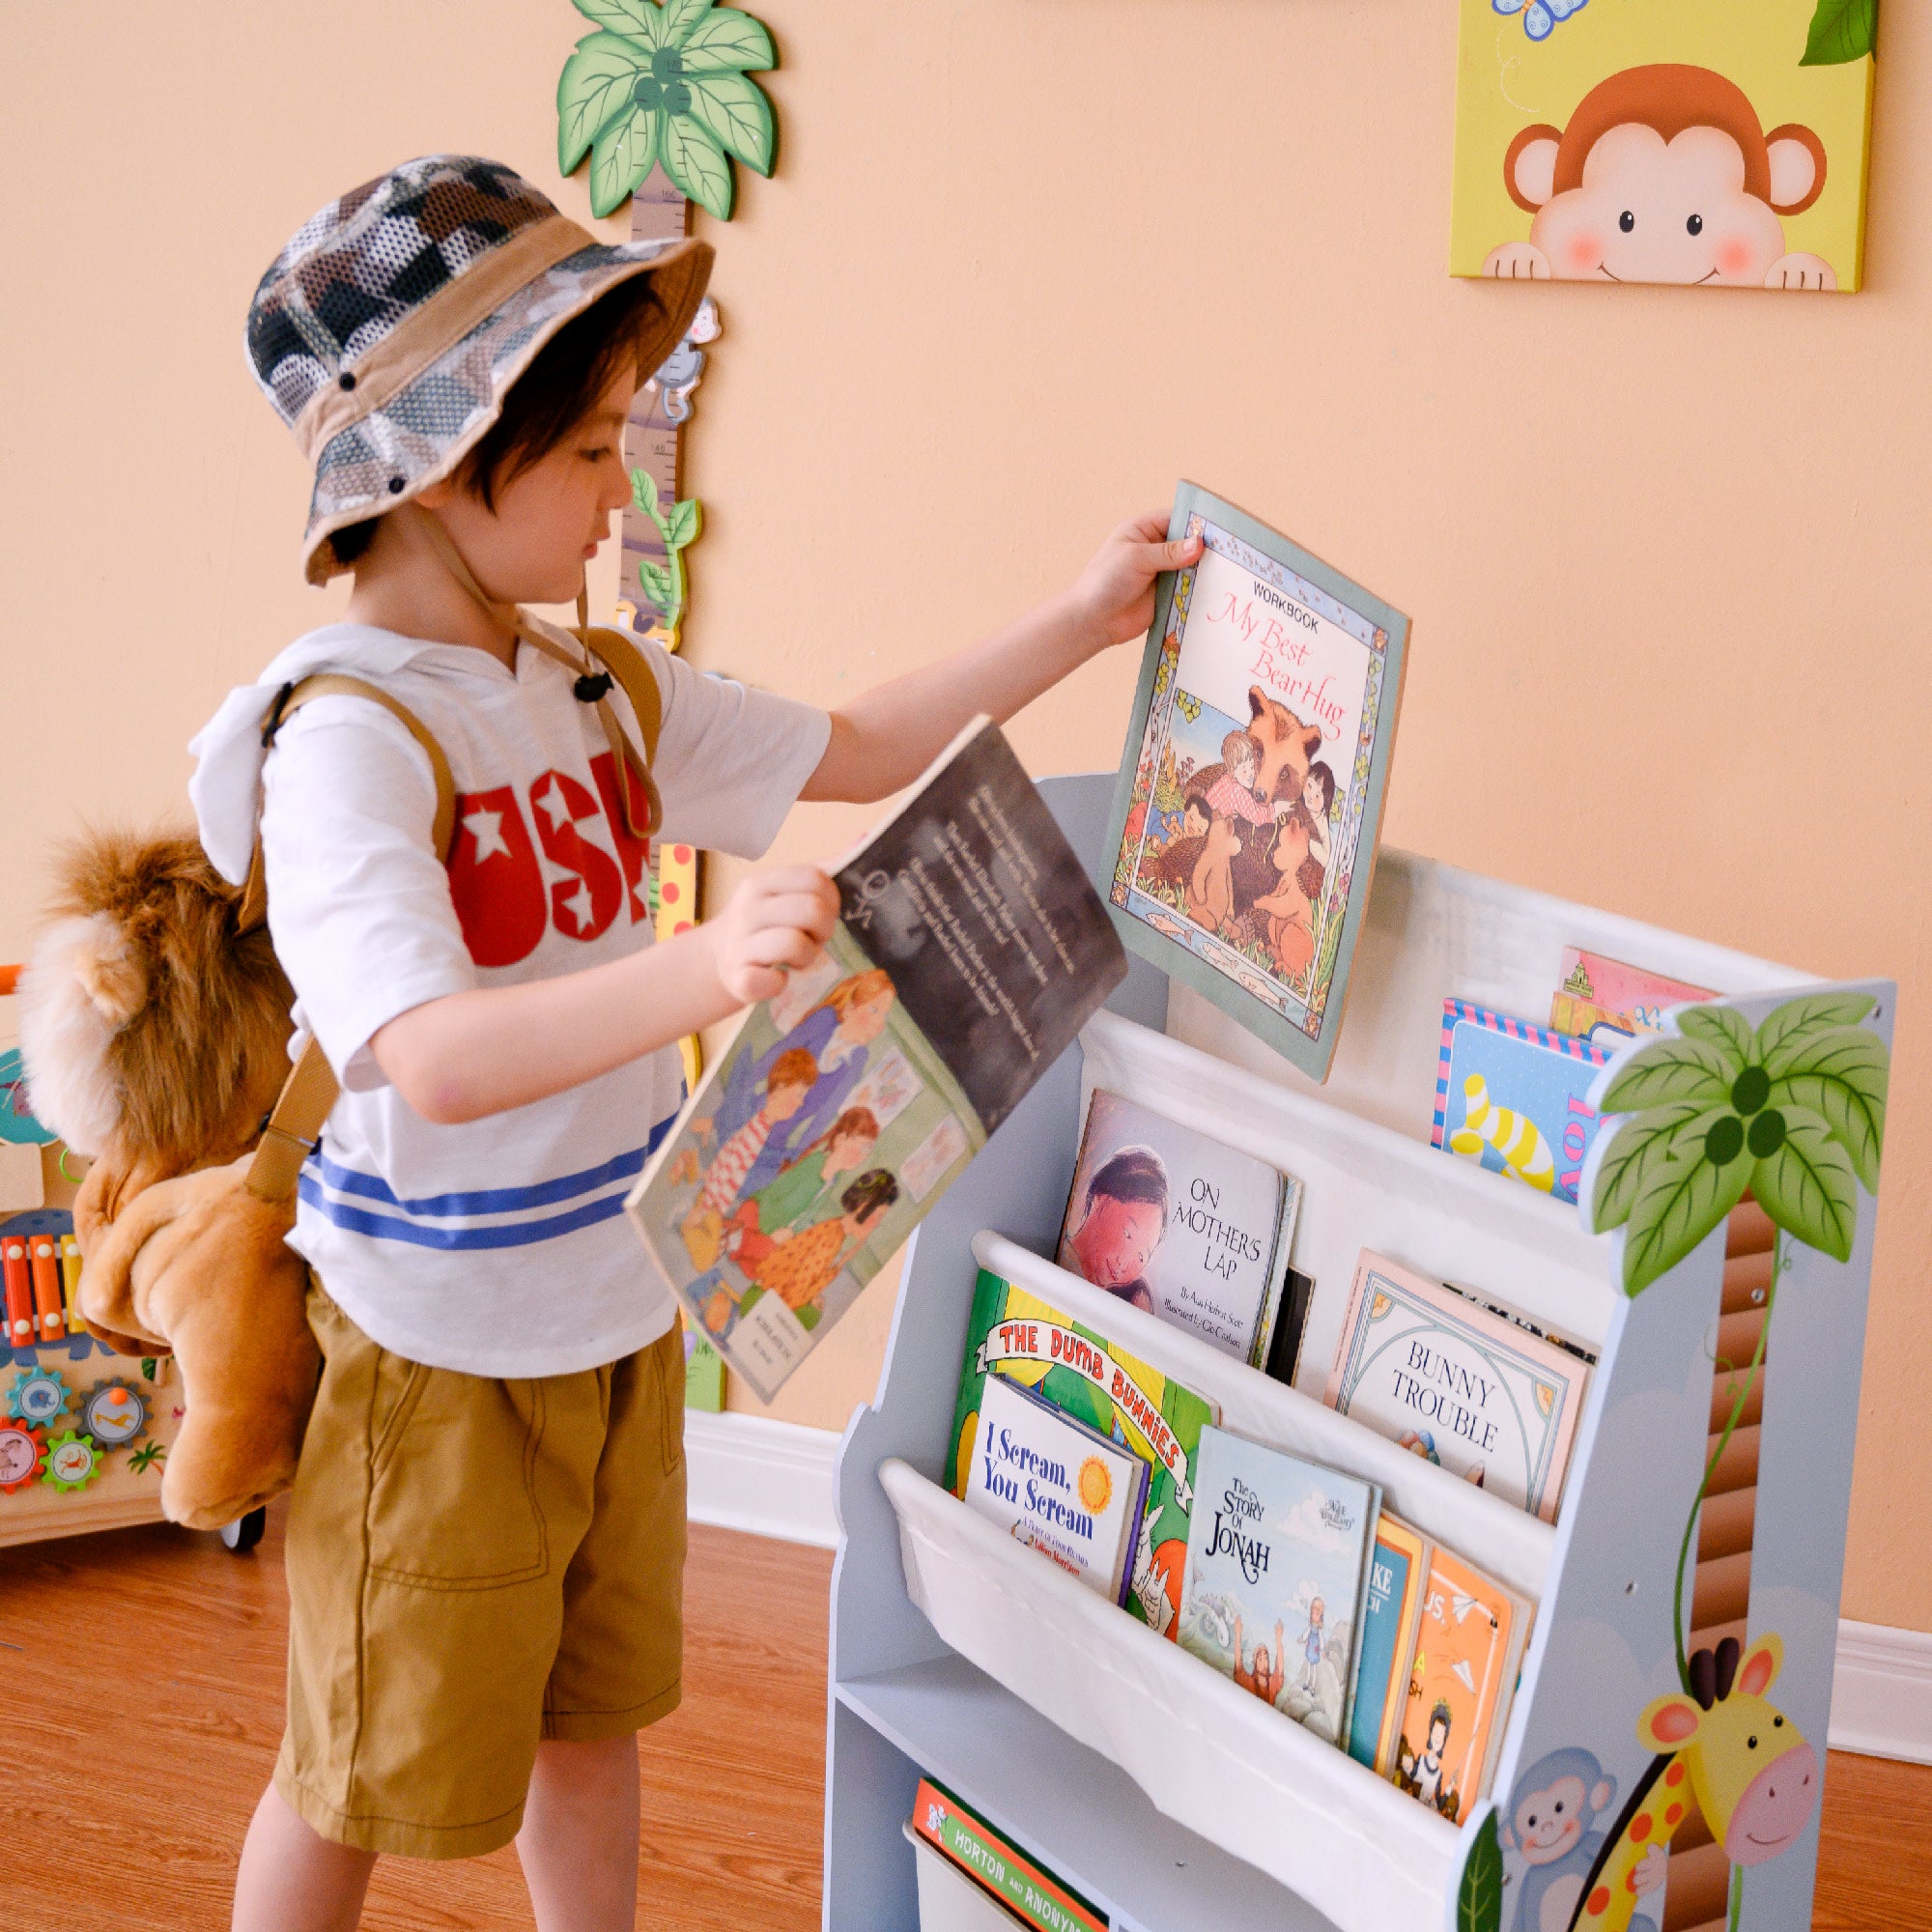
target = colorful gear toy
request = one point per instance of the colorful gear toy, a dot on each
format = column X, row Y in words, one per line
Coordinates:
column 21, row 1455
column 38, row 1397
column 73, row 1461
column 114, row 1413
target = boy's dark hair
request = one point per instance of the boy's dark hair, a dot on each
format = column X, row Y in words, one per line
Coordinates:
column 1443, row 1715
column 1134, row 1174
column 547, row 401
column 873, row 1191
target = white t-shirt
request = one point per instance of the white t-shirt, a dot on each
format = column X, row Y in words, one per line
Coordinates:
column 498, row 1247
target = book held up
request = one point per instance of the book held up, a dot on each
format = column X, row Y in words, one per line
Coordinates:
column 970, row 950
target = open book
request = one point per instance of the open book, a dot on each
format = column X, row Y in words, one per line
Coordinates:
column 970, row 950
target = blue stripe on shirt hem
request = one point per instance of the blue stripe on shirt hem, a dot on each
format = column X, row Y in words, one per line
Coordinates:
column 494, row 1200
column 510, row 1235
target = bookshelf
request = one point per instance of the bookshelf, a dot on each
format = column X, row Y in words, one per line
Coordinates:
column 1155, row 1787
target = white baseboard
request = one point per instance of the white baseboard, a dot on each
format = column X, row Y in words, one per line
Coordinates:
column 775, row 1479
column 771, row 1478
column 1882, row 1695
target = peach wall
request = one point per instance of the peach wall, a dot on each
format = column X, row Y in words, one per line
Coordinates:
column 1024, row 263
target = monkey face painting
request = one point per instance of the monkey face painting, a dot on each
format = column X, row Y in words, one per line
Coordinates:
column 1657, row 142
column 1664, row 175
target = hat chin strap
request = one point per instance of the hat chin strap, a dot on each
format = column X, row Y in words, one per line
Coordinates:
column 571, row 650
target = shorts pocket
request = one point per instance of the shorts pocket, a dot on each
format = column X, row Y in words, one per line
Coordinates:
column 452, row 1497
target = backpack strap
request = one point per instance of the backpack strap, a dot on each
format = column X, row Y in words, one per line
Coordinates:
column 310, row 1091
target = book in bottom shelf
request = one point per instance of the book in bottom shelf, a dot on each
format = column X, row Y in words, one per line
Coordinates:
column 1468, row 1648
column 1277, row 1571
column 1058, row 1486
column 1026, row 1890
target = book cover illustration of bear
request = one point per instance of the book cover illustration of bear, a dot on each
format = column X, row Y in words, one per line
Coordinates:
column 1057, row 1485
column 1180, row 1225
column 1277, row 1570
column 970, row 950
column 1250, row 797
column 1476, row 1395
column 1014, row 1335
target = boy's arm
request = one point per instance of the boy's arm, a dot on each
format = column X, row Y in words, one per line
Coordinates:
column 885, row 738
column 492, row 1048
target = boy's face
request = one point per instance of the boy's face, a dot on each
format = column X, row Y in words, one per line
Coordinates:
column 1117, row 1239
column 551, row 518
column 783, row 1102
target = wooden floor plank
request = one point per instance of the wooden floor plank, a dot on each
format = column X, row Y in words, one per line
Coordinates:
column 141, row 1687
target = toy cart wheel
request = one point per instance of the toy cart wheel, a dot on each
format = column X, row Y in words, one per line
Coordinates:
column 246, row 1531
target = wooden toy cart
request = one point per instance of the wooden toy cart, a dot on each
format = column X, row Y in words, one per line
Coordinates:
column 1705, row 1500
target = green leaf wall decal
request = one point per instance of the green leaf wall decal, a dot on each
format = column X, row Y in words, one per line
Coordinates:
column 1814, row 1012
column 621, row 157
column 639, row 19
column 1638, row 1150
column 1842, row 1076
column 1807, row 1185
column 1671, row 1070
column 1841, row 31
column 726, row 38
column 684, row 521
column 592, row 91
column 1479, row 1901
column 1679, row 1205
column 696, row 166
column 738, row 115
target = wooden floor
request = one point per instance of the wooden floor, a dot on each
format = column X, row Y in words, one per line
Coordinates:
column 140, row 1706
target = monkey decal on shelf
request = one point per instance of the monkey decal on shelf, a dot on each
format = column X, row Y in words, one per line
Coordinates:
column 1557, row 1824
column 1664, row 174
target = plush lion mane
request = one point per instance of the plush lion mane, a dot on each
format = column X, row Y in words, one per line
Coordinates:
column 155, row 1037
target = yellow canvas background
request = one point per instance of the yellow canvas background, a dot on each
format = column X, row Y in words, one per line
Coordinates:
column 1507, row 82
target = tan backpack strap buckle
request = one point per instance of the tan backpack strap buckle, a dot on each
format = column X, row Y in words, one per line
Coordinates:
column 303, row 1105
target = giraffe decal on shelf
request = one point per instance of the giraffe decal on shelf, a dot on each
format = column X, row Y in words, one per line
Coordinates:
column 1726, row 1751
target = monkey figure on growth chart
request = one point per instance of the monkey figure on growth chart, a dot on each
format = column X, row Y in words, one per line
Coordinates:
column 1664, row 174
column 1557, row 1822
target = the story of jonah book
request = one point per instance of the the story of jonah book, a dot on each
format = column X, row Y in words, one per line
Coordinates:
column 1249, row 802
column 1277, row 1571
column 1013, row 1335
column 969, row 949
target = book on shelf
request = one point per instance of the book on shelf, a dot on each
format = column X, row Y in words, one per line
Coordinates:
column 993, row 1861
column 1180, row 1224
column 1277, row 1575
column 1468, row 1649
column 1297, row 1291
column 1515, row 1098
column 1460, row 1387
column 1058, row 1486
column 1392, row 1612
column 969, row 951
column 1249, row 801
column 1606, row 1001
column 1014, row 1335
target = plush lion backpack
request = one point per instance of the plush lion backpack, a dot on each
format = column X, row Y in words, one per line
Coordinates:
column 155, row 1024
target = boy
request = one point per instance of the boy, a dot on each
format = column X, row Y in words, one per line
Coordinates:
column 486, row 1538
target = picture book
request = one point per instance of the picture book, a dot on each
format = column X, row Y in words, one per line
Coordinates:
column 1277, row 1573
column 1703, row 146
column 1026, row 1889
column 1180, row 1225
column 1249, row 800
column 1057, row 1485
column 1469, row 1645
column 1458, row 1386
column 1284, row 1355
column 969, row 953
column 1606, row 1001
column 1398, row 1569
column 1514, row 1096
column 1013, row 1334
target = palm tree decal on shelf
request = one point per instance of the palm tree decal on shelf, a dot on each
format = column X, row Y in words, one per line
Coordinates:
column 1792, row 1110
column 665, row 85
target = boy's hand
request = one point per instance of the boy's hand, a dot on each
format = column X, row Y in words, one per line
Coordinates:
column 775, row 922
column 1113, row 595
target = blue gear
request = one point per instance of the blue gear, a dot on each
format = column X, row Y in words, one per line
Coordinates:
column 38, row 1397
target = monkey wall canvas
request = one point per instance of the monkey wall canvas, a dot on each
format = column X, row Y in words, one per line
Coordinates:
column 1693, row 142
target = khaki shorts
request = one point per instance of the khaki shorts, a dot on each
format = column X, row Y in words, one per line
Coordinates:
column 474, row 1566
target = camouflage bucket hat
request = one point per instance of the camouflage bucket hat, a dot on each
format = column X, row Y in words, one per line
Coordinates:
column 389, row 331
